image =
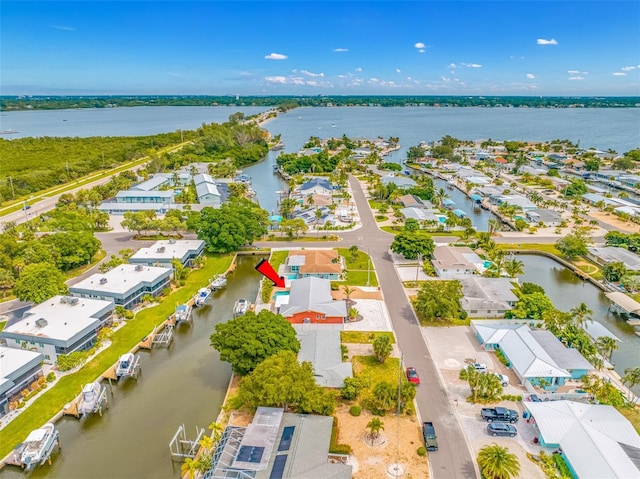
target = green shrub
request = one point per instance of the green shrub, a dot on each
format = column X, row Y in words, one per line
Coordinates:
column 355, row 411
column 422, row 451
column 341, row 449
column 502, row 358
column 128, row 314
column 351, row 389
column 51, row 377
column 562, row 465
column 72, row 360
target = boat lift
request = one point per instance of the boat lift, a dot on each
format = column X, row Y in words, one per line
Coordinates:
column 73, row 408
column 46, row 455
column 181, row 447
column 164, row 337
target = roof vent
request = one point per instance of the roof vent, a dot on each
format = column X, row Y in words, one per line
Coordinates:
column 160, row 250
column 41, row 322
column 72, row 301
column 172, row 241
column 103, row 280
column 139, row 267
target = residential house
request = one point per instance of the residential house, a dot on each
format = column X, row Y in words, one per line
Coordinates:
column 321, row 347
column 595, row 440
column 153, row 183
column 19, row 369
column 413, row 201
column 207, row 190
column 310, row 301
column 450, row 262
column 487, row 297
column 513, row 200
column 610, row 254
column 319, row 263
column 162, row 252
column 125, row 285
column 536, row 356
column 423, row 215
column 549, row 218
column 629, row 180
column 277, row 445
column 315, row 186
column 60, row 325
column 402, row 182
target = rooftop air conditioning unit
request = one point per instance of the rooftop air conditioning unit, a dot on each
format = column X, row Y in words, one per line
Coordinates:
column 41, row 322
column 139, row 267
column 172, row 241
column 72, row 301
column 160, row 250
column 103, row 280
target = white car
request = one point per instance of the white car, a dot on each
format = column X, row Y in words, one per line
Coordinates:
column 504, row 380
column 480, row 367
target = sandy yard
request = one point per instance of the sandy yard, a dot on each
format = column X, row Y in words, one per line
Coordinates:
column 373, row 461
column 613, row 220
column 358, row 293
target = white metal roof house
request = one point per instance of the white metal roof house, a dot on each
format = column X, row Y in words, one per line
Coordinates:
column 207, row 190
column 19, row 368
column 610, row 254
column 596, row 441
column 321, row 347
column 451, row 262
column 60, row 325
column 532, row 354
column 162, row 252
column 549, row 218
column 124, row 285
column 487, row 297
column 310, row 301
column 319, row 186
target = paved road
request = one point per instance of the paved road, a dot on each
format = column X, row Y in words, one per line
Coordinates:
column 453, row 459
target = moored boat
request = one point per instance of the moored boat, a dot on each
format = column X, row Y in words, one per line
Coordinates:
column 91, row 398
column 37, row 448
column 201, row 297
column 183, row 313
column 218, row 283
column 126, row 365
column 241, row 307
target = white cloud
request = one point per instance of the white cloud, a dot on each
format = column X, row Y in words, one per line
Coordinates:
column 422, row 50
column 340, row 50
column 358, row 69
column 619, row 74
column 409, row 78
column 542, row 41
column 397, row 70
column 576, row 78
column 311, row 74
column 420, row 45
column 576, row 72
column 530, row 76
column 275, row 56
column 626, row 69
column 452, row 65
column 471, row 65
column 63, row 27
column 277, row 79
column 445, row 79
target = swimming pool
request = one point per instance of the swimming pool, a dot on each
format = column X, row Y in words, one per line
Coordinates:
column 487, row 264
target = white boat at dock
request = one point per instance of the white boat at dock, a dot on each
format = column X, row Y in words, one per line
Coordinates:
column 127, row 365
column 201, row 297
column 241, row 307
column 38, row 446
column 278, row 146
column 219, row 282
column 92, row 397
column 183, row 313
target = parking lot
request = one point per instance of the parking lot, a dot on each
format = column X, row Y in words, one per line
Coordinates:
column 452, row 348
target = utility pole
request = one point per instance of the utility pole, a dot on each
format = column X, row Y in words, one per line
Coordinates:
column 13, row 193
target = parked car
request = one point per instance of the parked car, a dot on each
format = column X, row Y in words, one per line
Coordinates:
column 429, row 436
column 481, row 367
column 412, row 376
column 501, row 429
column 536, row 398
column 499, row 414
column 504, row 379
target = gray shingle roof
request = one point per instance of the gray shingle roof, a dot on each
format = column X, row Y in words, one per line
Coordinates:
column 313, row 294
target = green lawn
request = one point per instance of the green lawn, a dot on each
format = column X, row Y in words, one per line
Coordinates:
column 399, row 228
column 364, row 337
column 380, row 218
column 360, row 261
column 373, row 372
column 359, row 278
column 2, row 325
column 277, row 258
column 548, row 248
column 47, row 405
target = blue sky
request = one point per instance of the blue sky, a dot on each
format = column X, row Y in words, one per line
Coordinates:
column 320, row 47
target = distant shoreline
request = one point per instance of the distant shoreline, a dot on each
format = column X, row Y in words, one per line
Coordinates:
column 284, row 103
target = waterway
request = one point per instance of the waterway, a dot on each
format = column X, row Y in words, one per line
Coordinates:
column 184, row 384
column 566, row 291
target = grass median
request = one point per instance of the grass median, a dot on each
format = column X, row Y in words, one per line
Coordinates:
column 123, row 340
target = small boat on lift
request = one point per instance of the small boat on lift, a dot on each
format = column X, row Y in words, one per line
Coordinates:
column 38, row 446
column 183, row 313
column 91, row 399
column 218, row 283
column 201, row 297
column 241, row 307
column 126, row 365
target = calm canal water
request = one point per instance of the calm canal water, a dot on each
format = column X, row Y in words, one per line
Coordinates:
column 566, row 291
column 184, row 384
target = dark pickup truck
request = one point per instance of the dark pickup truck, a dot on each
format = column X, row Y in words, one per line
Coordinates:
column 499, row 414
column 429, row 435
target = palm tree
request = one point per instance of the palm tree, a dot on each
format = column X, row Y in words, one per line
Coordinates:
column 513, row 267
column 374, row 427
column 631, row 378
column 189, row 468
column 606, row 345
column 581, row 314
column 494, row 224
column 216, row 431
column 496, row 462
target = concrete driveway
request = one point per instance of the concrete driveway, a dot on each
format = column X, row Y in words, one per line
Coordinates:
column 451, row 348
